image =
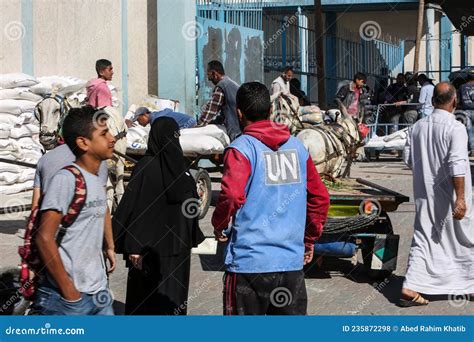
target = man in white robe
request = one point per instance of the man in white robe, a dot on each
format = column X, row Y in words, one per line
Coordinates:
column 441, row 258
column 281, row 84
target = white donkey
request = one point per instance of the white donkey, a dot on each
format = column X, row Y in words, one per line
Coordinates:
column 115, row 184
column 50, row 113
column 329, row 145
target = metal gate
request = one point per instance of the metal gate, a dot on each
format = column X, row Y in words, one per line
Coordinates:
column 292, row 44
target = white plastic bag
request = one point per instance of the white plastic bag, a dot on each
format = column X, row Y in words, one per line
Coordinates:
column 8, row 119
column 16, row 107
column 16, row 188
column 15, row 80
column 26, row 130
column 194, row 145
column 154, row 103
column 215, row 131
column 19, row 94
column 5, row 130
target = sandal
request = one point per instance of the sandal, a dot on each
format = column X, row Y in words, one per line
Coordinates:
column 418, row 300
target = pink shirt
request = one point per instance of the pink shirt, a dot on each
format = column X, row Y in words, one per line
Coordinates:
column 98, row 93
column 354, row 106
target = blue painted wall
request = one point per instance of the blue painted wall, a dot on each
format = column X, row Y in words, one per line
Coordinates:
column 27, row 41
column 177, row 52
column 445, row 46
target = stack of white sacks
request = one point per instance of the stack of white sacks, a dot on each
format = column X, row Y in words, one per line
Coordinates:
column 394, row 141
column 210, row 139
column 19, row 130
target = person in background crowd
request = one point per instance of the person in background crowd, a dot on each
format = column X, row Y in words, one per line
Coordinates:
column 145, row 117
column 380, row 95
column 397, row 94
column 155, row 226
column 98, row 92
column 466, row 98
column 281, row 84
column 441, row 255
column 426, row 95
column 295, row 89
column 410, row 115
column 349, row 96
column 265, row 170
column 221, row 107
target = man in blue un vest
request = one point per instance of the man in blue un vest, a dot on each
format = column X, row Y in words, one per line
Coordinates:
column 277, row 205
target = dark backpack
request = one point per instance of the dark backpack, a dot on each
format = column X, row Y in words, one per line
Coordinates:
column 31, row 264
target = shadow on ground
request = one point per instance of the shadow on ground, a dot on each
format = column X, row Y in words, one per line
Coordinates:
column 11, row 226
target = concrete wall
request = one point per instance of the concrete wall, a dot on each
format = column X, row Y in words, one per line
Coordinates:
column 66, row 37
column 138, row 72
column 11, row 35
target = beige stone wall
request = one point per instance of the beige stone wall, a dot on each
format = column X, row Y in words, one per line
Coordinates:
column 11, row 32
column 137, row 50
column 70, row 35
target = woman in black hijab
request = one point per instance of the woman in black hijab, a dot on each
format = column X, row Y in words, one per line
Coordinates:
column 156, row 225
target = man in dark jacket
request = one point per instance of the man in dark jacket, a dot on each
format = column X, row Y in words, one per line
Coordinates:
column 397, row 94
column 349, row 97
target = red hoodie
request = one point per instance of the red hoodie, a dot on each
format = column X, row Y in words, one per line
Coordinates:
column 237, row 170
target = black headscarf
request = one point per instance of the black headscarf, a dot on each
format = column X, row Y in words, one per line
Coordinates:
column 163, row 143
column 151, row 214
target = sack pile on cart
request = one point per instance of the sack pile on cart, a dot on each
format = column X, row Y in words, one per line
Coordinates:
column 197, row 141
column 207, row 140
column 18, row 131
column 394, row 141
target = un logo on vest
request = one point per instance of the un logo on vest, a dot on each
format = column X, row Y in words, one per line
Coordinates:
column 282, row 167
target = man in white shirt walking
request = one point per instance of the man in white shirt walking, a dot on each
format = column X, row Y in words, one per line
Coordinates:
column 441, row 255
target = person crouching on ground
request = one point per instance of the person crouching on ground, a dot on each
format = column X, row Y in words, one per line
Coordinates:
column 144, row 117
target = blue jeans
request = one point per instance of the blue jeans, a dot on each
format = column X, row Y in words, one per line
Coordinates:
column 48, row 301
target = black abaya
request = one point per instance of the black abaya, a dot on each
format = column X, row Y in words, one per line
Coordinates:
column 150, row 221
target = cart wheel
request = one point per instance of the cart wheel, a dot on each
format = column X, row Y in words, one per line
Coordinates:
column 204, row 190
column 382, row 227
